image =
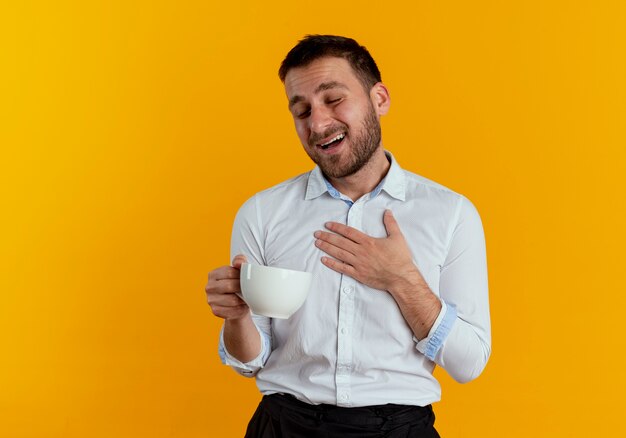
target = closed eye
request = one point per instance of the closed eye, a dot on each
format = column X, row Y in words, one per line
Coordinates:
column 303, row 114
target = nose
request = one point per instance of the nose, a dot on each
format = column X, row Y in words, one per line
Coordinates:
column 320, row 119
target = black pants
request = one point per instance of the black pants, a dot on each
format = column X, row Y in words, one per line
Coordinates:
column 283, row 416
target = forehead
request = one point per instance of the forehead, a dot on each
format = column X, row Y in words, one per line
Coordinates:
column 303, row 81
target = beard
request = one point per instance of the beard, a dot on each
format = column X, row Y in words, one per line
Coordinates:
column 362, row 148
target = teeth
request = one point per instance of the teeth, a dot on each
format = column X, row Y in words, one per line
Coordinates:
column 338, row 137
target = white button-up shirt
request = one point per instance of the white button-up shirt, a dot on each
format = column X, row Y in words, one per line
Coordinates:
column 349, row 345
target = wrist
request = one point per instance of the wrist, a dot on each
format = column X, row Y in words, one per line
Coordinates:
column 238, row 321
column 409, row 283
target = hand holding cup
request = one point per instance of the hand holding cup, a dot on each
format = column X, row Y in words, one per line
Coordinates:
column 223, row 291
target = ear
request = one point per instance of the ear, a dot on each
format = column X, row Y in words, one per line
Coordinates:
column 380, row 98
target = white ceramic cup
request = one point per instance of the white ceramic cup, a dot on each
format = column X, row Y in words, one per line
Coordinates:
column 274, row 292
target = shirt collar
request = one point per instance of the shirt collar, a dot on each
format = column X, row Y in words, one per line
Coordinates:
column 394, row 183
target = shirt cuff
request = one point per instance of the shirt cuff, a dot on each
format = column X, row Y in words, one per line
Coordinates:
column 430, row 345
column 247, row 369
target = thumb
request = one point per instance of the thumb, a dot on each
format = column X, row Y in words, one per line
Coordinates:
column 390, row 224
column 238, row 260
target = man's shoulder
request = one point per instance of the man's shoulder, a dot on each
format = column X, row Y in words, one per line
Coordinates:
column 420, row 188
column 283, row 191
column 297, row 184
column 419, row 182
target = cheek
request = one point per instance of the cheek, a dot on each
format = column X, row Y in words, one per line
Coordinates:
column 302, row 132
column 347, row 116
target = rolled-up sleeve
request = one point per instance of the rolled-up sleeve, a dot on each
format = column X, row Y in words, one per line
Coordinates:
column 249, row 369
column 430, row 345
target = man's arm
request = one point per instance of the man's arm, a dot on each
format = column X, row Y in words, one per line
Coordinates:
column 245, row 340
column 463, row 283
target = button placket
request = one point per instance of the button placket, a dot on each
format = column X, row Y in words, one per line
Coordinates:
column 346, row 319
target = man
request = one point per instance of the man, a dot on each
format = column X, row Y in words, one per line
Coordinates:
column 400, row 280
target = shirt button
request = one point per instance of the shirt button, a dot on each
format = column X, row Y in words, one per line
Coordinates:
column 347, row 290
column 344, row 331
column 343, row 397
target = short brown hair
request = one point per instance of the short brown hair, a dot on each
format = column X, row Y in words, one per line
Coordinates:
column 313, row 47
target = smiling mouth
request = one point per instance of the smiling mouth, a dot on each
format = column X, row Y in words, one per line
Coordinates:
column 333, row 142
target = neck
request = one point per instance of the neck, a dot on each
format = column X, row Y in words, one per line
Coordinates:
column 366, row 179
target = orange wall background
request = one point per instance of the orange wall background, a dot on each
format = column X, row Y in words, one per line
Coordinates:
column 131, row 132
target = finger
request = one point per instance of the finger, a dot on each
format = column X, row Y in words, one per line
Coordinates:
column 230, row 312
column 225, row 286
column 339, row 266
column 238, row 260
column 346, row 231
column 229, row 300
column 391, row 225
column 338, row 241
column 335, row 251
column 223, row 273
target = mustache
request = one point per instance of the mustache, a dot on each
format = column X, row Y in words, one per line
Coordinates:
column 317, row 137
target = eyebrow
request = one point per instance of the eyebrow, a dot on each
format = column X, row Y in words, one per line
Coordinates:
column 321, row 87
